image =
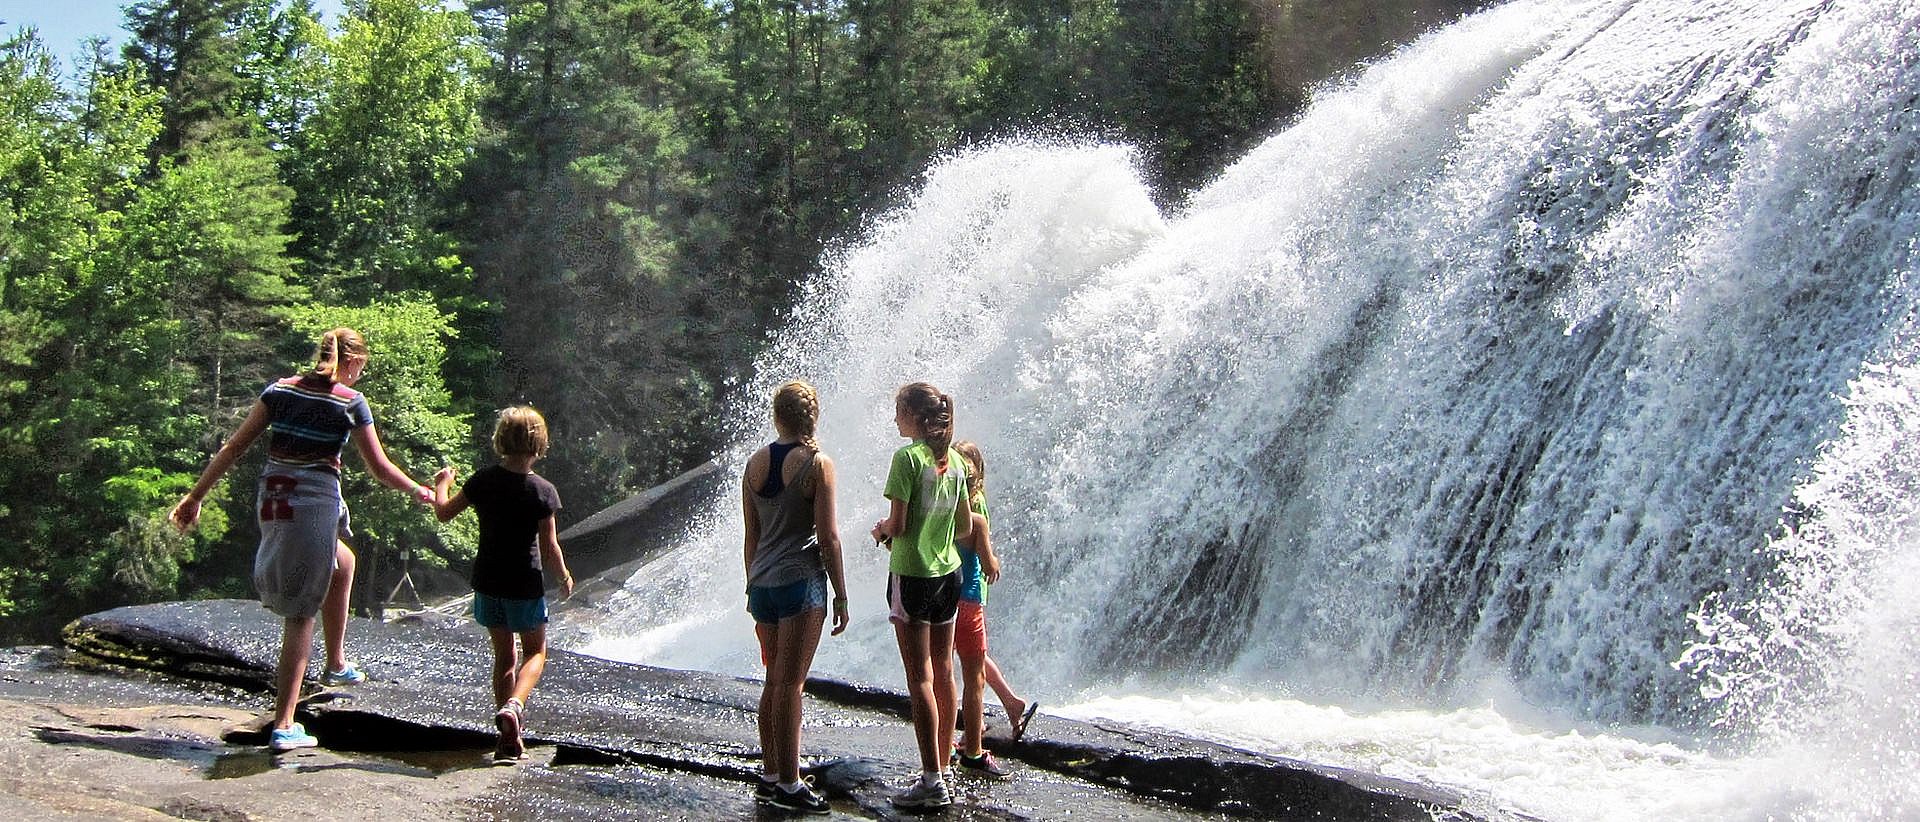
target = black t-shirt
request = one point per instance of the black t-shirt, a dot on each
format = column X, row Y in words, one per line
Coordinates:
column 510, row 506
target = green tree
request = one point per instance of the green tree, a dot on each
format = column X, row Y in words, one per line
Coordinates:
column 375, row 164
column 214, row 228
column 1194, row 87
column 918, row 79
column 785, row 175
column 587, row 201
column 42, row 208
column 188, row 50
column 1048, row 62
column 279, row 72
column 81, row 446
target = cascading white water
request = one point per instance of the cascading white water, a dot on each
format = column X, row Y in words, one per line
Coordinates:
column 1566, row 359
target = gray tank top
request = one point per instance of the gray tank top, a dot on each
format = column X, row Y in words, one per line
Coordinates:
column 787, row 551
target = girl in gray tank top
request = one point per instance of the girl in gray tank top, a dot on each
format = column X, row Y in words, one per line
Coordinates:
column 792, row 552
column 788, row 550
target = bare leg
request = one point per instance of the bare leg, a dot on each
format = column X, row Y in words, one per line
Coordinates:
column 506, row 662
column 1014, row 705
column 533, row 663
column 972, row 702
column 769, row 715
column 940, row 646
column 296, row 646
column 333, row 609
column 796, row 638
column 915, row 657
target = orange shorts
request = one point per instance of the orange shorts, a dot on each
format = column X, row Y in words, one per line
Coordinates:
column 970, row 630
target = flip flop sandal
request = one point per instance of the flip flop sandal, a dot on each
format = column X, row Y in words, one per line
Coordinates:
column 1020, row 728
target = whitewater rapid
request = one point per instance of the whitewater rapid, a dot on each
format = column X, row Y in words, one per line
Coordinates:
column 1533, row 417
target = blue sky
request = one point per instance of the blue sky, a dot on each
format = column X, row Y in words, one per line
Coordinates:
column 64, row 23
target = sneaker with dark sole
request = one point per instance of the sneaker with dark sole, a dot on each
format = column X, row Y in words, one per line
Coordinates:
column 803, row 800
column 922, row 795
column 289, row 738
column 984, row 764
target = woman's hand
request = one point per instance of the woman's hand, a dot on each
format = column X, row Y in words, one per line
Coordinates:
column 990, row 568
column 839, row 615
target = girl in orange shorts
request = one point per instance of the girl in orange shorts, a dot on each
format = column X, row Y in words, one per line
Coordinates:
column 980, row 567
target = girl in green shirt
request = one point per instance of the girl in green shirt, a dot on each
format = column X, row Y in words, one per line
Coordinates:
column 927, row 511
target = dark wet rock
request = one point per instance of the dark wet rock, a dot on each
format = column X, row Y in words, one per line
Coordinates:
column 197, row 640
column 689, row 739
column 637, row 529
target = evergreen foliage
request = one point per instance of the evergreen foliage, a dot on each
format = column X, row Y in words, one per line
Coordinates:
column 600, row 207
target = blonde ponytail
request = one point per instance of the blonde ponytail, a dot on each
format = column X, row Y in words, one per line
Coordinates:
column 335, row 345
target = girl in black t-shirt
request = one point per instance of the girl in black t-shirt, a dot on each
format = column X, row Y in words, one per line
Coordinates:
column 517, row 540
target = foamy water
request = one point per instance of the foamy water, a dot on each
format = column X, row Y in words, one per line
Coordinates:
column 1552, row 381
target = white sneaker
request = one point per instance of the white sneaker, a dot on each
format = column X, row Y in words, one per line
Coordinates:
column 922, row 795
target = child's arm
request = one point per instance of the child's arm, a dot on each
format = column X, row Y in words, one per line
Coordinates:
column 826, row 531
column 550, row 557
column 187, row 511
column 983, row 545
column 895, row 523
column 899, row 489
column 446, row 505
column 962, row 517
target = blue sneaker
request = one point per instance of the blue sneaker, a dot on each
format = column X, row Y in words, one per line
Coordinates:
column 345, row 676
column 289, row 738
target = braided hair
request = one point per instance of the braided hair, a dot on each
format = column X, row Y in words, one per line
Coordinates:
column 796, row 412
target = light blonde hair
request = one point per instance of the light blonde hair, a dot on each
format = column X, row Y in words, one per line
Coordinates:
column 335, row 346
column 932, row 410
column 796, row 411
column 520, row 431
column 976, row 469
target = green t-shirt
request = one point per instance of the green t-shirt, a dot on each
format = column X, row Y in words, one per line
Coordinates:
column 925, row 547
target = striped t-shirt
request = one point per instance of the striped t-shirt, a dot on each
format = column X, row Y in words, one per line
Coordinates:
column 310, row 417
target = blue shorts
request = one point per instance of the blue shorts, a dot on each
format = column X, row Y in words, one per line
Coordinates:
column 515, row 615
column 772, row 603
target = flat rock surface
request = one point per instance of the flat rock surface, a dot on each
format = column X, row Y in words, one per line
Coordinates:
column 168, row 694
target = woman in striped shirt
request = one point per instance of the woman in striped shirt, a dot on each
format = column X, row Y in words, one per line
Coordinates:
column 303, row 568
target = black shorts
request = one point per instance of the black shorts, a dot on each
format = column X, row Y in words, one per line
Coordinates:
column 928, row 600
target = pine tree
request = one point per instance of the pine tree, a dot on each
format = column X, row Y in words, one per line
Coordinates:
column 188, row 50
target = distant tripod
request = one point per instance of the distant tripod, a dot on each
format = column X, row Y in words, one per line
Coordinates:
column 406, row 581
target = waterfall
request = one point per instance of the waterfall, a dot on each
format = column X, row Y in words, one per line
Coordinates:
column 1569, row 354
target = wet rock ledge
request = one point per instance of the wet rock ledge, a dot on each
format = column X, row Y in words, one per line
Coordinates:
column 615, row 741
